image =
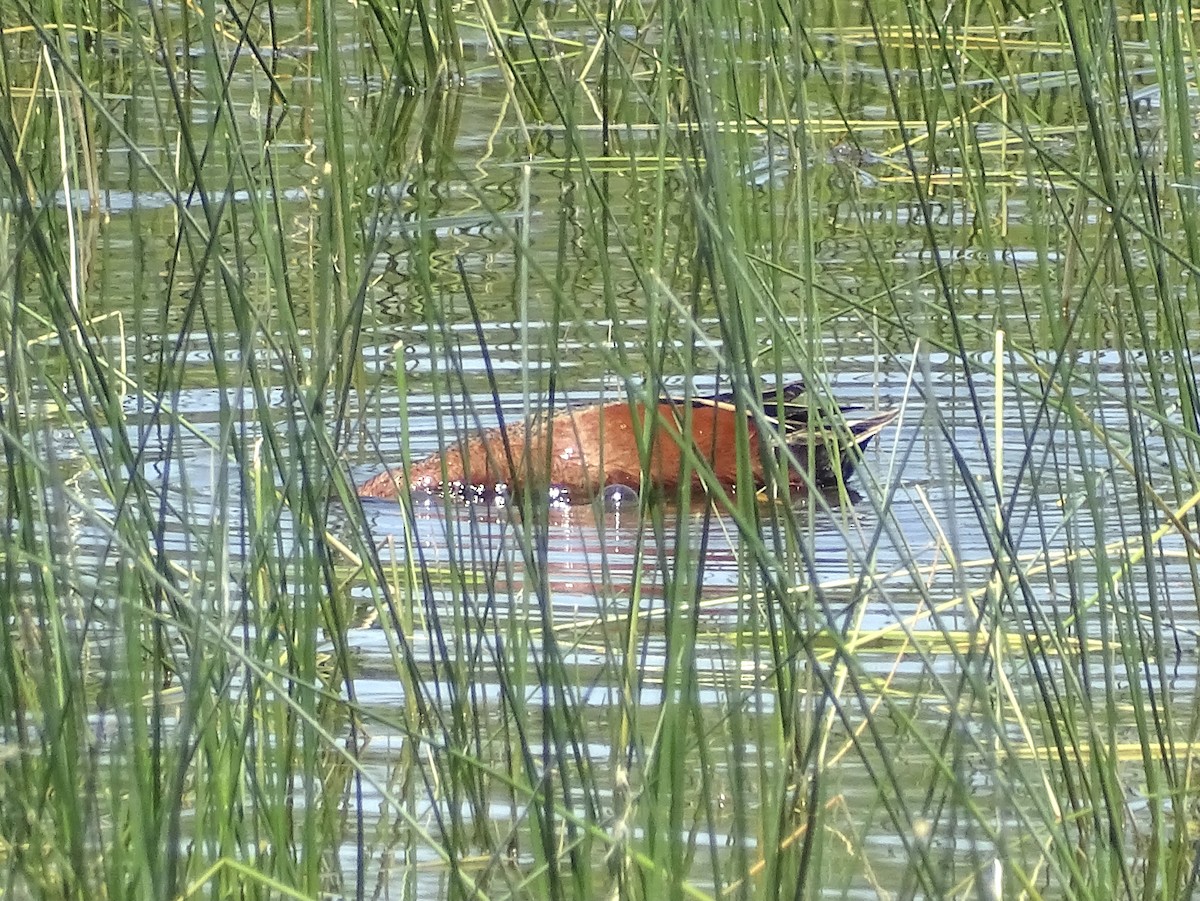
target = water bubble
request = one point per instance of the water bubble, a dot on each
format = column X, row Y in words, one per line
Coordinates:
column 618, row 496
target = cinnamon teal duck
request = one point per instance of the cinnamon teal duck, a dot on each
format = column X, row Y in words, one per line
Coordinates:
column 590, row 449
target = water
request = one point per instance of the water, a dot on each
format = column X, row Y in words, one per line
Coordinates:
column 604, row 600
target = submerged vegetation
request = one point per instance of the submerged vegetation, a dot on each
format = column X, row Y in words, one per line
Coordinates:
column 251, row 253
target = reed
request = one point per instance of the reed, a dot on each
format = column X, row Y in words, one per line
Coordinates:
column 249, row 255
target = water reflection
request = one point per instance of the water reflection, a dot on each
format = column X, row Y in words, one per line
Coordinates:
column 581, row 552
column 917, row 550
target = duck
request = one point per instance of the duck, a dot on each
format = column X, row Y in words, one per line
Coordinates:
column 581, row 453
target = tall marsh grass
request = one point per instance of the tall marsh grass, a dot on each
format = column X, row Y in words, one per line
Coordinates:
column 246, row 252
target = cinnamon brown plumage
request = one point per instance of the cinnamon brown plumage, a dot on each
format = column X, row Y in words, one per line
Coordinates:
column 581, row 451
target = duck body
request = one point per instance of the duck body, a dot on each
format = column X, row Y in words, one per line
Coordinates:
column 579, row 453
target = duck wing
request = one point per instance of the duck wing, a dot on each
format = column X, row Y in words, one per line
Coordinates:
column 803, row 426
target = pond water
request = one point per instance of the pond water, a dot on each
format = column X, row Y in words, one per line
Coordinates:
column 492, row 260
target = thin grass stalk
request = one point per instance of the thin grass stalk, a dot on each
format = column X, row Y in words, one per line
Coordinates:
column 289, row 577
column 1108, row 172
